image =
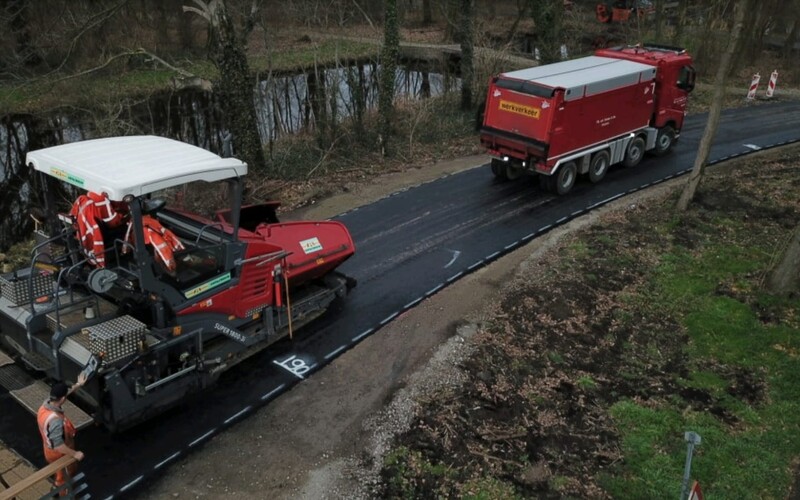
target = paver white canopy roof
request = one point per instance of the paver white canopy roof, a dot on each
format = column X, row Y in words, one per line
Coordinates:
column 133, row 165
column 591, row 75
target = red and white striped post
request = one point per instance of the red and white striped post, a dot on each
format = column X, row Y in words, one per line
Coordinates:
column 773, row 79
column 753, row 87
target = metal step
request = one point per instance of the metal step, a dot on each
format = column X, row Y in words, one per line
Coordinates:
column 5, row 359
column 37, row 361
column 31, row 393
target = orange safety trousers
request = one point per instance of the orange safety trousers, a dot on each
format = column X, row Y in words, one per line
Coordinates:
column 51, row 455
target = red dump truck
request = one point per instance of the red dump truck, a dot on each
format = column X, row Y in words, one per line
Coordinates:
column 584, row 115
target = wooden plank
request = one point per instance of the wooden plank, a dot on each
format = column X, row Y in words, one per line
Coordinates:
column 14, row 469
column 36, row 478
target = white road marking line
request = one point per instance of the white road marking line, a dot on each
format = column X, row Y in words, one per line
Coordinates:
column 752, row 146
column 129, row 485
column 455, row 277
column 528, row 236
column 559, row 221
column 545, row 228
column 362, row 335
column 492, row 256
column 413, row 303
column 239, row 414
column 202, row 437
column 337, row 351
column 434, row 290
column 473, row 266
column 389, row 318
column 273, row 391
column 577, row 212
column 171, row 457
column 456, row 253
column 512, row 245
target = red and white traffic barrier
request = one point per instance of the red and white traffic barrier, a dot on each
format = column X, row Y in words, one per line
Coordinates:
column 773, row 79
column 753, row 87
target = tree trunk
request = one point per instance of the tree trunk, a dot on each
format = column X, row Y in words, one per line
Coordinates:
column 683, row 7
column 467, row 52
column 547, row 17
column 427, row 12
column 389, row 55
column 716, row 108
column 659, row 5
column 791, row 39
column 235, row 86
column 785, row 277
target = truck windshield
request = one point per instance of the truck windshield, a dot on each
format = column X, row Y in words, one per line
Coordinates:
column 525, row 87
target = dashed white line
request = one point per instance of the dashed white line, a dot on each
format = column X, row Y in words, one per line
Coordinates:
column 559, row 221
column 362, row 335
column 169, row 458
column 754, row 147
column 473, row 266
column 129, row 485
column 434, row 290
column 273, row 391
column 109, row 497
column 202, row 437
column 455, row 277
column 239, row 414
column 337, row 351
column 575, row 213
column 492, row 256
column 413, row 303
column 528, row 236
column 511, row 245
column 545, row 228
column 389, row 318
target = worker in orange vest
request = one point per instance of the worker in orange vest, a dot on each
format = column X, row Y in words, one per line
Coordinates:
column 89, row 211
column 58, row 433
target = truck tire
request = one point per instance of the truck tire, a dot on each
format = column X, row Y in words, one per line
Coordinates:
column 499, row 169
column 664, row 141
column 599, row 166
column 513, row 172
column 634, row 153
column 561, row 183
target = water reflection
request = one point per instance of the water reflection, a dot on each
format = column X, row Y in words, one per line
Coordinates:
column 285, row 104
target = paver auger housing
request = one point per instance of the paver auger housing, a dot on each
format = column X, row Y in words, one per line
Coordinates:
column 150, row 333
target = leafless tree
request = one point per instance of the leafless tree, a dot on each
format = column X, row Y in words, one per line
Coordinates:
column 389, row 56
column 741, row 8
column 227, row 50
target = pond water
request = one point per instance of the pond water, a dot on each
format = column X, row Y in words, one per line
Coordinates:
column 285, row 104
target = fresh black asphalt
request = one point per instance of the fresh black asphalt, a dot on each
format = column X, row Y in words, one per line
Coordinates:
column 409, row 246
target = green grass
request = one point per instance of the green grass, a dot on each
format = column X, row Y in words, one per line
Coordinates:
column 751, row 458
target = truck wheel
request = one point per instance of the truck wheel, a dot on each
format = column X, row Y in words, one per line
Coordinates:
column 513, row 172
column 634, row 153
column 499, row 169
column 664, row 141
column 564, row 179
column 599, row 166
